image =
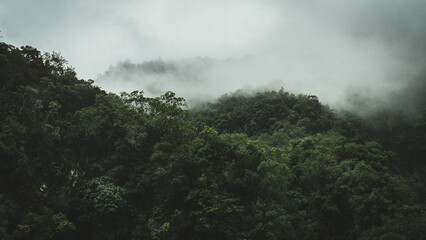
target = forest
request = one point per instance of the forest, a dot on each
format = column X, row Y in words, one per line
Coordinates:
column 78, row 162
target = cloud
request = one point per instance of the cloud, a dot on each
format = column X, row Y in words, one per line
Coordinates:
column 326, row 47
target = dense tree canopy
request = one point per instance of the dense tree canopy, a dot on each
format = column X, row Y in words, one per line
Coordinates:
column 80, row 163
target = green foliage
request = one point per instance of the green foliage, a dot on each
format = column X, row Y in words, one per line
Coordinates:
column 103, row 196
column 80, row 163
column 63, row 226
column 265, row 113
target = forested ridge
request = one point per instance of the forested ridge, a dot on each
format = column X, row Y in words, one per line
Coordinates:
column 77, row 162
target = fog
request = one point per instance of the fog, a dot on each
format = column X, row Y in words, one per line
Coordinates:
column 337, row 50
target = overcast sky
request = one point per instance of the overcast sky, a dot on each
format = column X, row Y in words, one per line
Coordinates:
column 312, row 46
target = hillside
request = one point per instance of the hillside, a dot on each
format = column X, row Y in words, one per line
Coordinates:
column 80, row 163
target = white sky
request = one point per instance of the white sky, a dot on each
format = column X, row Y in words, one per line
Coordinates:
column 324, row 47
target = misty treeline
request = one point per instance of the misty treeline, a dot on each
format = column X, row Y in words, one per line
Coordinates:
column 79, row 163
column 192, row 77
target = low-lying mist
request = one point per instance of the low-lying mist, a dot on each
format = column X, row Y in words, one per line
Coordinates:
column 354, row 55
column 330, row 48
column 360, row 85
column 196, row 79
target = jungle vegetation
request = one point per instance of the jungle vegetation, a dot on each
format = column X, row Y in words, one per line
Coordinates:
column 77, row 162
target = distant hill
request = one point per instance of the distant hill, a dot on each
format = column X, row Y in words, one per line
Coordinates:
column 77, row 162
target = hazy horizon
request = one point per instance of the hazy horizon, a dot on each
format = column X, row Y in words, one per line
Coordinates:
column 327, row 48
